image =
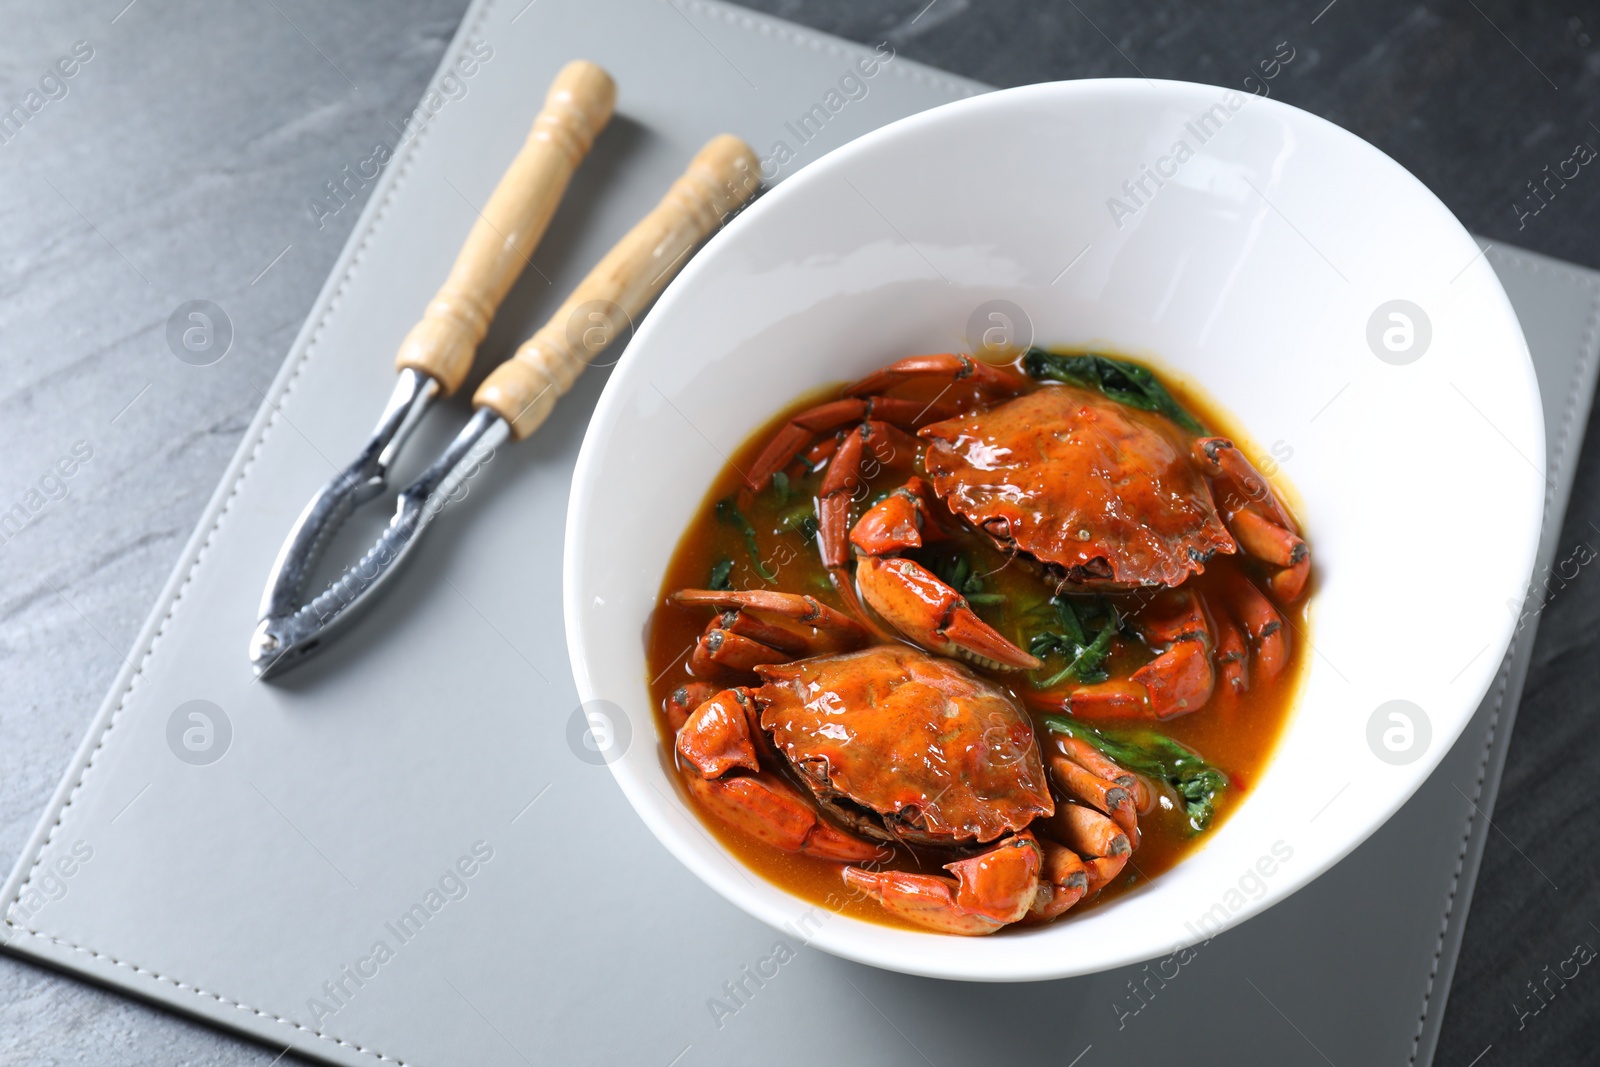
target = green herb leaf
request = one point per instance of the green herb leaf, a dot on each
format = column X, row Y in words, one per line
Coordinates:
column 1122, row 381
column 720, row 571
column 1085, row 657
column 1088, row 662
column 956, row 572
column 729, row 513
column 1146, row 752
column 1044, row 643
column 1067, row 615
column 780, row 485
column 801, row 519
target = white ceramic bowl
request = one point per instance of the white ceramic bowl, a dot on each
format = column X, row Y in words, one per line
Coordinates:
column 1254, row 269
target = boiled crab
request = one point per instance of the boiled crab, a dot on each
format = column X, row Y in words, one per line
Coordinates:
column 1102, row 497
column 836, row 754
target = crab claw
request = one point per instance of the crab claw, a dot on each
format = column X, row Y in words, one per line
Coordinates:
column 1233, row 674
column 1063, row 881
column 1097, row 825
column 1179, row 680
column 949, row 368
column 1257, row 518
column 717, row 736
column 1108, row 796
column 1095, row 837
column 990, row 890
column 771, row 812
column 933, row 615
column 1266, row 629
column 1092, row 759
column 722, row 735
column 684, row 700
column 740, row 637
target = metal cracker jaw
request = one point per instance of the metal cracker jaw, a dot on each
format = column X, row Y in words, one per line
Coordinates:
column 291, row 629
column 518, row 395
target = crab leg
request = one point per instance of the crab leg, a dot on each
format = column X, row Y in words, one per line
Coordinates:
column 1265, row 627
column 1219, row 456
column 1264, row 539
column 886, row 445
column 1267, row 541
column 771, row 634
column 800, row 430
column 1088, row 832
column 793, row 606
column 833, row 522
column 1176, row 682
column 890, row 445
column 833, row 502
column 1180, row 680
column 987, row 892
column 1289, row 583
column 1102, row 869
column 949, row 365
column 719, row 737
column 1232, row 669
column 821, row 452
column 797, row 433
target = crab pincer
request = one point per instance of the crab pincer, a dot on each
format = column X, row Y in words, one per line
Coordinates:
column 910, row 597
column 770, row 811
column 986, row 891
column 1181, row 677
column 721, row 736
column 1256, row 517
column 1063, row 881
column 761, row 626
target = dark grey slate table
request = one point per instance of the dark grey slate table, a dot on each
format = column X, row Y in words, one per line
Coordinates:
column 175, row 163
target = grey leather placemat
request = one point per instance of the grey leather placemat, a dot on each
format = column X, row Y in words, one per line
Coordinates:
column 347, row 806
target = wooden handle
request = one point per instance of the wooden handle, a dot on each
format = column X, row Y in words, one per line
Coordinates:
column 524, row 388
column 577, row 108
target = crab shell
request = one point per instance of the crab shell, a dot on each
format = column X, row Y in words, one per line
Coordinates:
column 1106, row 492
column 901, row 745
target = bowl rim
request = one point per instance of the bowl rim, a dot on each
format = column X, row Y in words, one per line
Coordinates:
column 835, row 937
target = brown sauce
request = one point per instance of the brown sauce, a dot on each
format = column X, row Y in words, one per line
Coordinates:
column 1234, row 732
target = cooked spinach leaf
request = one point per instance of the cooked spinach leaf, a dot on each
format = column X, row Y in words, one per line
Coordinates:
column 957, row 572
column 801, row 519
column 729, row 513
column 1085, row 656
